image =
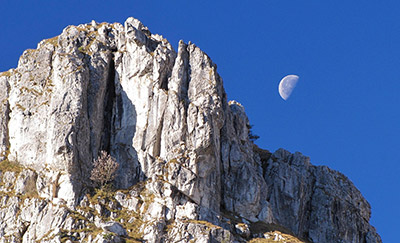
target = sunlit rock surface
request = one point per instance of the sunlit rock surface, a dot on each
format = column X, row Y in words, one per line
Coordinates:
column 187, row 168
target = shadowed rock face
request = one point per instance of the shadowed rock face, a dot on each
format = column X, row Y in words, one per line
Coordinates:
column 187, row 169
column 315, row 202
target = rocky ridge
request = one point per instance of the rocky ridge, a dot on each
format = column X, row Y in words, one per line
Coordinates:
column 187, row 169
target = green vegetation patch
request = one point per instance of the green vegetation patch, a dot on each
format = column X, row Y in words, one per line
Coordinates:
column 7, row 165
column 271, row 239
column 105, row 196
column 262, row 240
column 53, row 41
column 6, row 74
column 205, row 223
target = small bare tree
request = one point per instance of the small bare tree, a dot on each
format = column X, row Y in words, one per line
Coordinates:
column 104, row 169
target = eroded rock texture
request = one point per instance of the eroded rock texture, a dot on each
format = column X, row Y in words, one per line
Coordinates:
column 187, row 169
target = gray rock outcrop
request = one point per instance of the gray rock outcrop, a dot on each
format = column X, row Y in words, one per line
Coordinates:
column 315, row 202
column 187, row 168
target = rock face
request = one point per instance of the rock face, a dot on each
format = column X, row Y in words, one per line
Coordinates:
column 315, row 202
column 187, row 169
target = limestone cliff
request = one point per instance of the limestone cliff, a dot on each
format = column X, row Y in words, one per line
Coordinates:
column 187, row 169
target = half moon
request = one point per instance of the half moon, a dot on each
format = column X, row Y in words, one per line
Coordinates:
column 287, row 85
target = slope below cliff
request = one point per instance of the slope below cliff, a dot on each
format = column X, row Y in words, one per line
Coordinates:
column 187, row 169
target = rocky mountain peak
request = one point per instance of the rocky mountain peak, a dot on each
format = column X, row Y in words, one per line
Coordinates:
column 187, row 168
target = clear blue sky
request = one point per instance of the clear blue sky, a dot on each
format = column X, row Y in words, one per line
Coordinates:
column 344, row 112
